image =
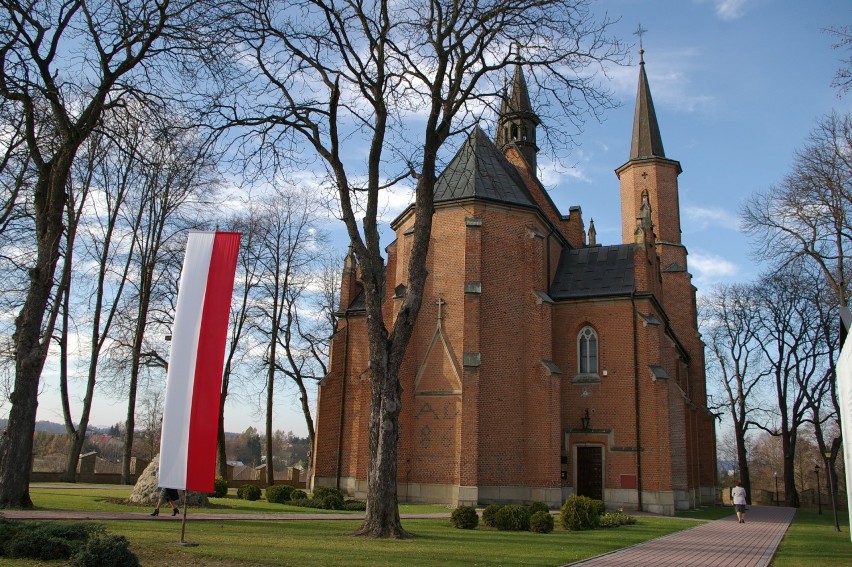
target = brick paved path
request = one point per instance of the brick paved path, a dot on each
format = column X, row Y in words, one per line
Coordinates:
column 721, row 543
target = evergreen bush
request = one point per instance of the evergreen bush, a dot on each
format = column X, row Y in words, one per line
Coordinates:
column 279, row 493
column 489, row 513
column 249, row 492
column 513, row 517
column 220, row 487
column 580, row 513
column 108, row 550
column 298, row 495
column 328, row 498
column 541, row 522
column 615, row 519
column 44, row 541
column 464, row 518
column 538, row 507
column 355, row 505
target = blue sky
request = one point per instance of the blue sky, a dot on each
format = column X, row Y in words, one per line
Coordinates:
column 737, row 86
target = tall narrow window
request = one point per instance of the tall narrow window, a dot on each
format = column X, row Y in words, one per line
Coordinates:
column 587, row 346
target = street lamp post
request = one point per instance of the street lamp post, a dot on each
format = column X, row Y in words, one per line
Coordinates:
column 819, row 496
column 827, row 455
column 775, row 474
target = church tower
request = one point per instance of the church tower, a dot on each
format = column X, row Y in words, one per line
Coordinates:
column 649, row 172
column 517, row 122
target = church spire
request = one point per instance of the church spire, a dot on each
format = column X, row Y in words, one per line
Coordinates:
column 517, row 122
column 649, row 175
column 646, row 141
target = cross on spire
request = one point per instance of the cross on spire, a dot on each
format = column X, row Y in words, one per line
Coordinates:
column 515, row 47
column 640, row 31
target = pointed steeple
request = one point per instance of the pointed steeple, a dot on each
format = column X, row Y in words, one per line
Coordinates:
column 646, row 141
column 517, row 122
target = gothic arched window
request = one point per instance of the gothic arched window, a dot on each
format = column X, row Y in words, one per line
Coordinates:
column 587, row 351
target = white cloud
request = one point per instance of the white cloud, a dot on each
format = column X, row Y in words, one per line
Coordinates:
column 710, row 268
column 702, row 218
column 730, row 9
column 669, row 75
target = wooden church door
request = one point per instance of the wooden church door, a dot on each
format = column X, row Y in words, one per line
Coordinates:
column 590, row 472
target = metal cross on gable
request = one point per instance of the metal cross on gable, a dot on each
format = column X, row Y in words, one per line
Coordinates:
column 439, row 303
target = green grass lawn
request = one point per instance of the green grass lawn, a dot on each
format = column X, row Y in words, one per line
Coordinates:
column 811, row 539
column 326, row 543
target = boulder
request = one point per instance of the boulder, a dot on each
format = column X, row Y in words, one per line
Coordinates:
column 147, row 490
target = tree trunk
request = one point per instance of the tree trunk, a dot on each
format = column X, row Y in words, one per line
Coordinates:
column 221, row 450
column 382, row 514
column 16, row 443
column 270, row 469
column 742, row 460
column 791, row 495
column 136, row 354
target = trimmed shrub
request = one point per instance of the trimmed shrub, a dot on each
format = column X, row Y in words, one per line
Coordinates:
column 329, row 501
column 106, row 551
column 322, row 491
column 249, row 492
column 464, row 518
column 45, row 541
column 279, row 493
column 513, row 517
column 615, row 519
column 541, row 522
column 328, row 498
column 489, row 513
column 298, row 495
column 220, row 487
column 355, row 505
column 580, row 513
column 538, row 507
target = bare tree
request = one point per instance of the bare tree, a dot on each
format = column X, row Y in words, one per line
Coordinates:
column 288, row 248
column 178, row 173
column 247, row 280
column 399, row 80
column 729, row 323
column 788, row 334
column 77, row 61
column 809, row 214
column 843, row 79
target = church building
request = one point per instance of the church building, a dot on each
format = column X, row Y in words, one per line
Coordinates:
column 543, row 364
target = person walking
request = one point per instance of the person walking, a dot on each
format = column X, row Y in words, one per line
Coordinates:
column 169, row 495
column 738, row 495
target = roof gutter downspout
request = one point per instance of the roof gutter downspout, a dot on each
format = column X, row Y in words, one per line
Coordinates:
column 342, row 401
column 636, row 399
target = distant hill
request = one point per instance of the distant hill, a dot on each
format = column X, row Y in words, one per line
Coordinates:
column 51, row 427
column 59, row 428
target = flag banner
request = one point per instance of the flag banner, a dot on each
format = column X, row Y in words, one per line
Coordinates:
column 844, row 395
column 194, row 382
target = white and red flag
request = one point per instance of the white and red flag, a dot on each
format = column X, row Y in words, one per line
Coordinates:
column 193, row 388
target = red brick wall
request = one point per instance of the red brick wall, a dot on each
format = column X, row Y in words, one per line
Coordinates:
column 501, row 421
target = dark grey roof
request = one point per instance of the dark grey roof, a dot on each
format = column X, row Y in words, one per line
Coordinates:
column 480, row 170
column 646, row 141
column 593, row 272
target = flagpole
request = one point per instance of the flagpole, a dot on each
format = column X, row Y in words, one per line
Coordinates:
column 183, row 525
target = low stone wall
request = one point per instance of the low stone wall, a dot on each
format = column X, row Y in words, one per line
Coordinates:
column 94, row 478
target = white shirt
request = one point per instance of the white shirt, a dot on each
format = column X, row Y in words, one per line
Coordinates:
column 739, row 495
